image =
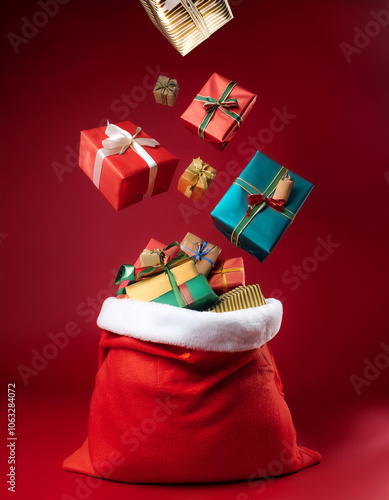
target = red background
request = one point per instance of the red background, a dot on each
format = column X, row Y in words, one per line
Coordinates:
column 61, row 240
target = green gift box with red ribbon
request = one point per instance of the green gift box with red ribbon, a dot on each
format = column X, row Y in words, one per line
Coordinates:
column 218, row 110
column 249, row 214
column 192, row 292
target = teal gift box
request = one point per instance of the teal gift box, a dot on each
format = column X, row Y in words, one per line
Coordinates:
column 257, row 227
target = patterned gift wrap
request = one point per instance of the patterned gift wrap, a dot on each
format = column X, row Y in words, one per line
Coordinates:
column 187, row 23
column 242, row 297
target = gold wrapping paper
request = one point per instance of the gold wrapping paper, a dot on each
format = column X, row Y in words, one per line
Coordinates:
column 202, row 266
column 151, row 288
column 242, row 297
column 283, row 189
column 166, row 90
column 149, row 258
column 187, row 23
column 196, row 179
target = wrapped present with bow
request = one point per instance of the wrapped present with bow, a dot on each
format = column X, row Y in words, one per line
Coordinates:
column 196, row 179
column 125, row 163
column 187, row 23
column 227, row 275
column 174, row 281
column 153, row 246
column 260, row 205
column 218, row 110
column 166, row 90
column 202, row 253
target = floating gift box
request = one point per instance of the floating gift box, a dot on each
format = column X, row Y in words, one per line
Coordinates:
column 187, row 23
column 125, row 163
column 218, row 111
column 227, row 275
column 254, row 213
column 203, row 253
column 196, row 179
column 165, row 91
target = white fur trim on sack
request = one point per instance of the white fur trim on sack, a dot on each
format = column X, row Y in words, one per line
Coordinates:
column 233, row 331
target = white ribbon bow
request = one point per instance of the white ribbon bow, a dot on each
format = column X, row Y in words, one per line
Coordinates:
column 119, row 140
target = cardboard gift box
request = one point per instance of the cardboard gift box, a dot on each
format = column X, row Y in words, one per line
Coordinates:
column 125, row 163
column 166, row 90
column 253, row 213
column 196, row 294
column 187, row 23
column 218, row 111
column 203, row 253
column 196, row 179
column 227, row 275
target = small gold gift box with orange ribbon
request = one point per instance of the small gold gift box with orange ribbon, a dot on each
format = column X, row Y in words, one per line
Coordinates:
column 196, row 179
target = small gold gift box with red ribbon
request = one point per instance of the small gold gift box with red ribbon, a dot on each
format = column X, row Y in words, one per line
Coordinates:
column 196, row 179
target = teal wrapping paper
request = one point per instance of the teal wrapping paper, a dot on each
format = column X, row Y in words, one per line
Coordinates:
column 267, row 227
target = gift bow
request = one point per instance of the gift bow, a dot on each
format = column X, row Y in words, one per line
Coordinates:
column 166, row 83
column 200, row 174
column 119, row 140
column 256, row 199
column 170, row 257
column 211, row 105
column 200, row 251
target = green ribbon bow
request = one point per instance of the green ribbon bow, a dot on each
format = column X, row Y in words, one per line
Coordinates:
column 171, row 256
column 212, row 105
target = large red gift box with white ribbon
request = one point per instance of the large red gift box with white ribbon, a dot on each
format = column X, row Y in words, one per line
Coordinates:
column 125, row 163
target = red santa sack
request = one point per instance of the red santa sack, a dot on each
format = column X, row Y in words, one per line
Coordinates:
column 187, row 396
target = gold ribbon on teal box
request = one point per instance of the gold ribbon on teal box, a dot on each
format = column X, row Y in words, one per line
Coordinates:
column 254, row 210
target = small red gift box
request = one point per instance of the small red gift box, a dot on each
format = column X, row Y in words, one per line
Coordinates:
column 218, row 111
column 125, row 163
column 227, row 275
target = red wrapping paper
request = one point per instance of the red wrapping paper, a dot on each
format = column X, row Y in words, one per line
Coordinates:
column 124, row 178
column 232, row 278
column 151, row 245
column 222, row 128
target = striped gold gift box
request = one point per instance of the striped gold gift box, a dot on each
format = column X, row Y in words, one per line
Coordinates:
column 187, row 23
column 242, row 297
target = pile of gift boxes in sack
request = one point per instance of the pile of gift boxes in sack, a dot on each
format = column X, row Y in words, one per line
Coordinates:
column 189, row 275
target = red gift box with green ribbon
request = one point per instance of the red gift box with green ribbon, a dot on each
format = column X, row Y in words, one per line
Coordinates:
column 218, row 110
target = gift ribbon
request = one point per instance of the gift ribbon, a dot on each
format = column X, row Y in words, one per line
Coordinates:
column 193, row 12
column 265, row 202
column 200, row 251
column 220, row 269
column 170, row 257
column 200, row 174
column 257, row 199
column 166, row 85
column 119, row 140
column 211, row 105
